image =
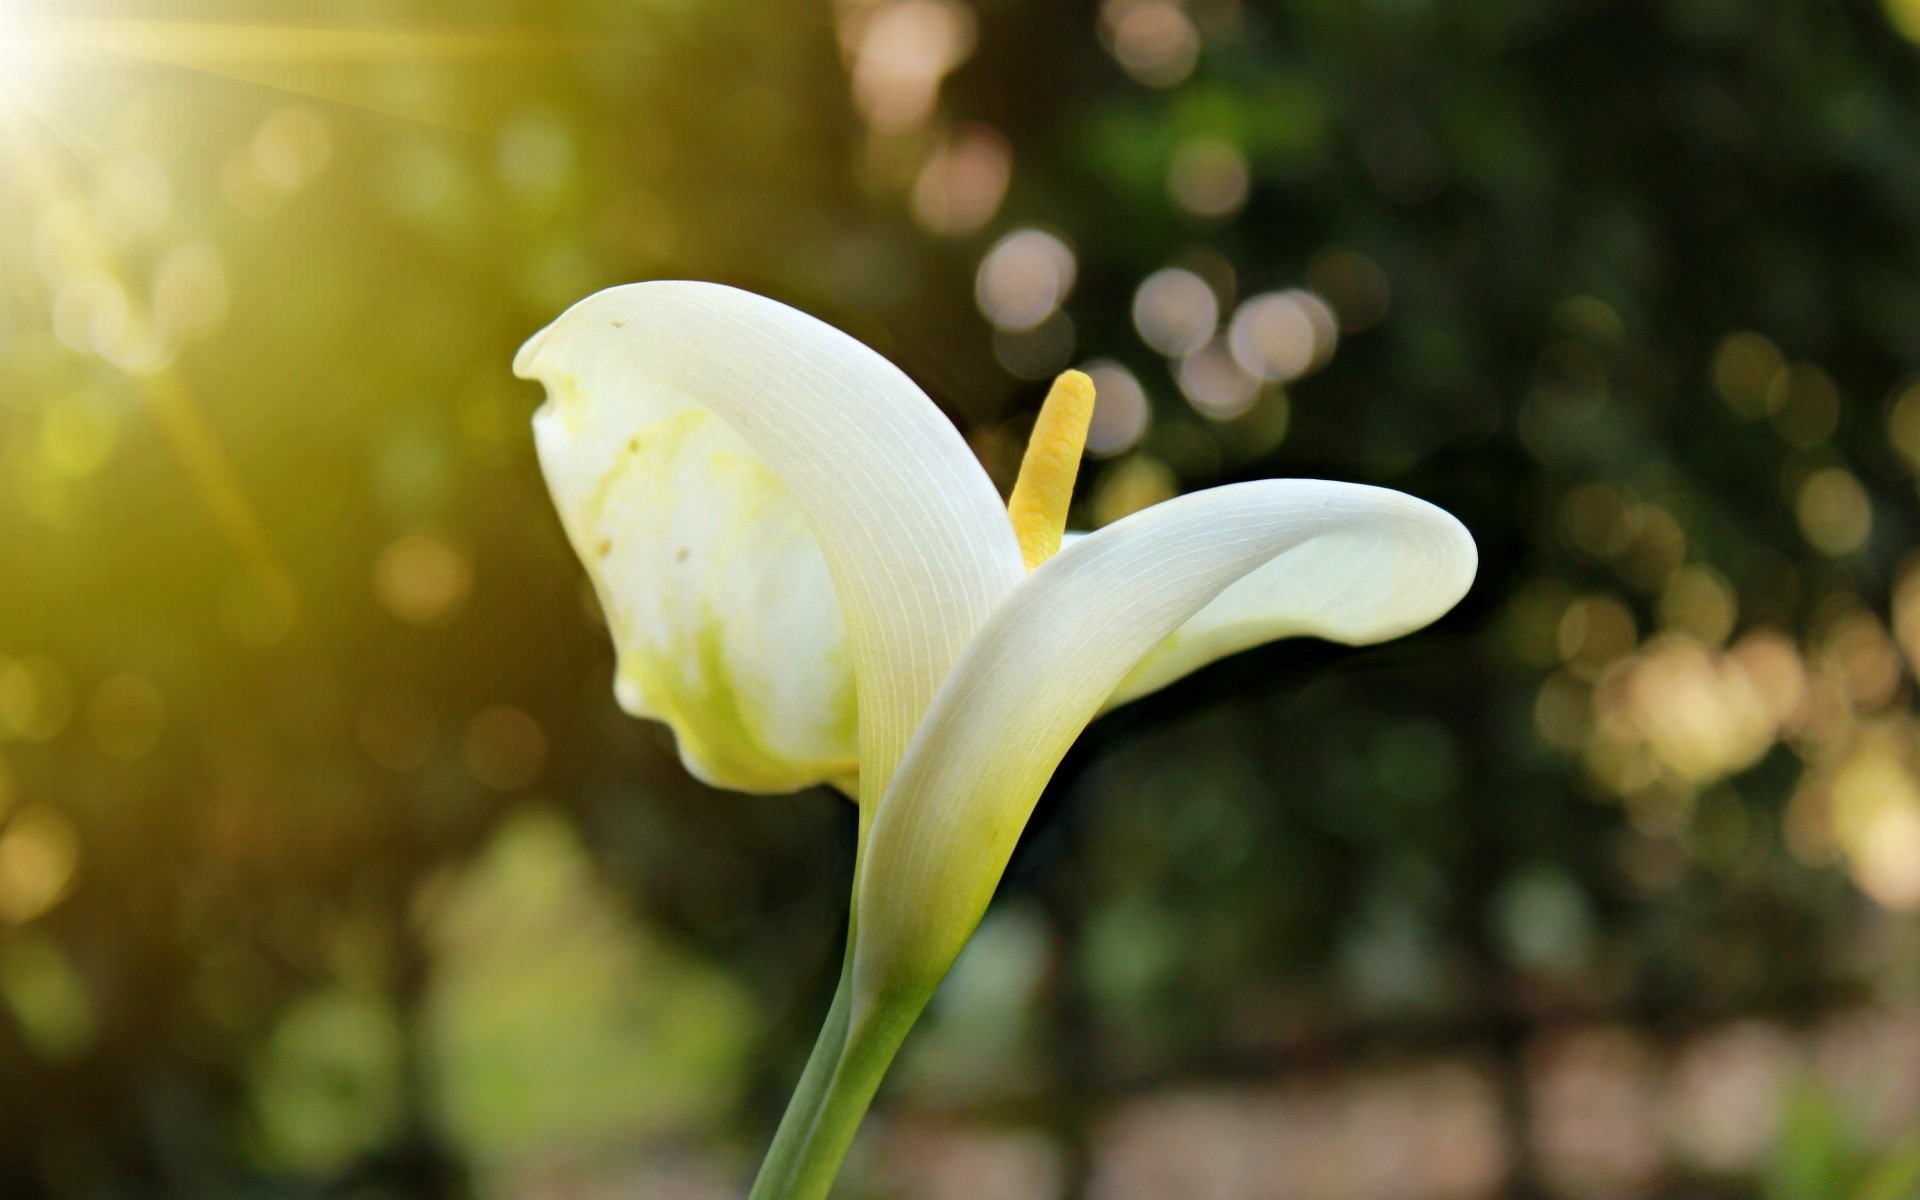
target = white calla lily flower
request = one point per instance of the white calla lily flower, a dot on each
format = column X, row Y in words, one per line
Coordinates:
column 810, row 579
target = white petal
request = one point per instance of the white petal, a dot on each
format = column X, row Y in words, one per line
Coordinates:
column 723, row 615
column 717, row 458
column 1062, row 643
column 1355, row 590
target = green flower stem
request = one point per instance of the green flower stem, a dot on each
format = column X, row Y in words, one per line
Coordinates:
column 833, row 1095
column 843, row 1072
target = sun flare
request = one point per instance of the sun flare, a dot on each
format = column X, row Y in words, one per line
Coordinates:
column 26, row 56
column 99, row 209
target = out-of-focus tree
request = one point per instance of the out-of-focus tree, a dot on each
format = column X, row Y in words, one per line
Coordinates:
column 327, row 864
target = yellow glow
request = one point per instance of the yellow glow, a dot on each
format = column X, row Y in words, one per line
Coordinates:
column 1041, row 495
column 326, row 63
column 25, row 58
column 210, row 46
column 54, row 165
column 1906, row 17
column 48, row 183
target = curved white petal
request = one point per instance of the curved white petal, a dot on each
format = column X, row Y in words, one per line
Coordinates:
column 723, row 615
column 1343, row 589
column 717, row 458
column 1062, row 643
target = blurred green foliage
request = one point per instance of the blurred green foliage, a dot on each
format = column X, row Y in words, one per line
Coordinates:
column 328, row 866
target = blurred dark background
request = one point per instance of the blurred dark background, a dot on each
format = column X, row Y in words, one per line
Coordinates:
column 328, row 867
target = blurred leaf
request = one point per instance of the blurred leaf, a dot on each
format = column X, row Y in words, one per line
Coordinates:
column 560, row 1027
column 1896, row 1177
column 328, row 1087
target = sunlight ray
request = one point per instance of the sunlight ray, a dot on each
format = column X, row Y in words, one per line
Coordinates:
column 352, row 66
column 189, row 432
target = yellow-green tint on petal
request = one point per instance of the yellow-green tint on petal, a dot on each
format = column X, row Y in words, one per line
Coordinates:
column 1044, row 489
column 724, row 734
column 886, row 498
column 723, row 617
